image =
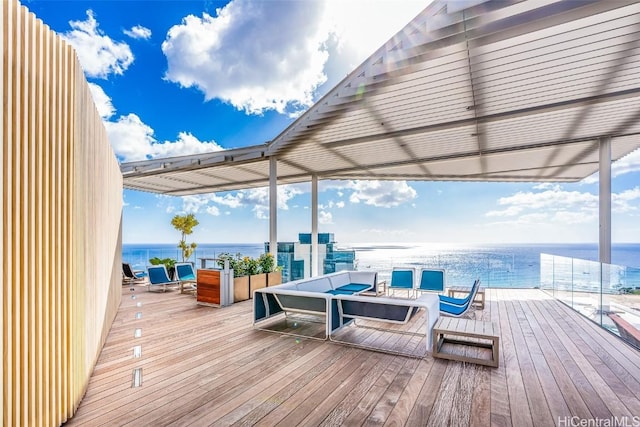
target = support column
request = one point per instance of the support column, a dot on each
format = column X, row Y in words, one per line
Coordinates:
column 273, row 207
column 314, row 226
column 604, row 246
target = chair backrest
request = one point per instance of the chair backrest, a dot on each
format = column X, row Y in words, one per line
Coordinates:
column 402, row 277
column 472, row 293
column 431, row 280
column 184, row 271
column 128, row 271
column 158, row 274
column 458, row 311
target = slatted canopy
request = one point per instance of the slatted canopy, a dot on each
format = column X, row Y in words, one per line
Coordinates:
column 468, row 91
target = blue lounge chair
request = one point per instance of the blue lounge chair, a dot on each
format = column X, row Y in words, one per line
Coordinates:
column 130, row 276
column 458, row 307
column 186, row 275
column 431, row 280
column 158, row 276
column 402, row 278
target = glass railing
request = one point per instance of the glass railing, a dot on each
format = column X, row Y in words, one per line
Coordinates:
column 604, row 293
column 493, row 269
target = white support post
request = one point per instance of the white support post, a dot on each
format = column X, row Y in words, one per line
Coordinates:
column 314, row 226
column 273, row 207
column 604, row 246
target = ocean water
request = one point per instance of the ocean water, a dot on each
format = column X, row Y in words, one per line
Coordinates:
column 495, row 265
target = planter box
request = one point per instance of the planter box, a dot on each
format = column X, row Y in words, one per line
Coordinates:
column 257, row 281
column 208, row 287
column 240, row 288
column 274, row 278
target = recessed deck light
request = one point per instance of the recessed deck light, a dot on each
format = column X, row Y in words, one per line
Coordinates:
column 137, row 378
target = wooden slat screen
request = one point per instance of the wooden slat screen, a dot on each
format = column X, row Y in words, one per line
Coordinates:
column 61, row 221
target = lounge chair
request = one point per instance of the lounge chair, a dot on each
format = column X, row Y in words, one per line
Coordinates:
column 186, row 275
column 458, row 307
column 431, row 280
column 402, row 278
column 130, row 276
column 158, row 276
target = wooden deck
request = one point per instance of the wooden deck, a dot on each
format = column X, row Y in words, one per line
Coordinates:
column 208, row 366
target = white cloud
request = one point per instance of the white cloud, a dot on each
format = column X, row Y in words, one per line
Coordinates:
column 567, row 217
column 214, row 211
column 138, row 32
column 255, row 55
column 510, row 211
column 621, row 202
column 554, row 199
column 98, row 53
column 257, row 199
column 628, row 164
column 384, row 194
column 556, row 205
column 325, row 217
column 102, row 101
column 133, row 140
column 130, row 138
column 261, row 56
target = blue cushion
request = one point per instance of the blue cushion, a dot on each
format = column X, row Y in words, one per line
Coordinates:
column 353, row 287
column 451, row 300
column 432, row 280
column 402, row 279
column 339, row 292
column 452, row 309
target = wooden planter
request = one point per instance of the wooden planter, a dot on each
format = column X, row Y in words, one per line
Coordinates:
column 257, row 281
column 274, row 278
column 240, row 288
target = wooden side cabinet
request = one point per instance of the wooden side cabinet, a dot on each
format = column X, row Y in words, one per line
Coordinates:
column 208, row 289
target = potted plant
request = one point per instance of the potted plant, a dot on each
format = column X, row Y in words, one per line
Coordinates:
column 268, row 266
column 241, row 268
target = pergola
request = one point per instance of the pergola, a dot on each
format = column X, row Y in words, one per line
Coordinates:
column 479, row 90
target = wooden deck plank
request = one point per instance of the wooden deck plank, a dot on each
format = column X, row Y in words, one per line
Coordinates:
column 368, row 403
column 481, row 400
column 543, row 366
column 516, row 394
column 584, row 389
column 604, row 382
column 402, row 410
column 388, row 401
column 500, row 415
column 208, row 366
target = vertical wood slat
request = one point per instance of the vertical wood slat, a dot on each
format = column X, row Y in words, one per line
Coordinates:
column 3, row 126
column 60, row 251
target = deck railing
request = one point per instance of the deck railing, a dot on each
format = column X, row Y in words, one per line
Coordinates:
column 607, row 294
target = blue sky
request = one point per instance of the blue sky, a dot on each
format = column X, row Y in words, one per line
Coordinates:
column 181, row 77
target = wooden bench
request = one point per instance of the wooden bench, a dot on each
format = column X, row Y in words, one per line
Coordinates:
column 479, row 300
column 477, row 334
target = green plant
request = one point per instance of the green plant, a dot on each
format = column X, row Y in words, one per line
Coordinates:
column 250, row 265
column 185, row 224
column 267, row 263
column 234, row 263
column 241, row 265
column 168, row 262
